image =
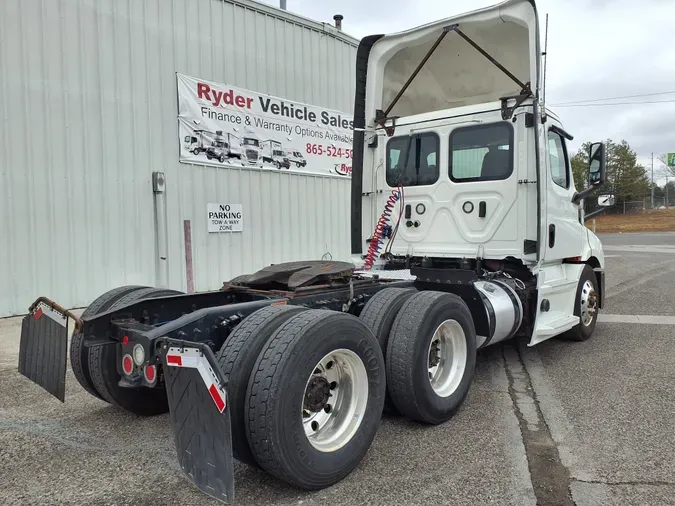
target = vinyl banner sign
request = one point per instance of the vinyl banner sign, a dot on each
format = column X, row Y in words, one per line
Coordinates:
column 226, row 126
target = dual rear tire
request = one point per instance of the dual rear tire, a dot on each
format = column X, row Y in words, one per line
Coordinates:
column 96, row 368
column 429, row 341
column 306, row 392
column 307, row 387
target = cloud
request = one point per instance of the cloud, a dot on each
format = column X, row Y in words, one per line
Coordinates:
column 596, row 48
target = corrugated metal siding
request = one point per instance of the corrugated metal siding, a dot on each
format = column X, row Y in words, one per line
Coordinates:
column 88, row 104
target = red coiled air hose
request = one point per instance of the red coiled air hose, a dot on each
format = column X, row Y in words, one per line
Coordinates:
column 376, row 239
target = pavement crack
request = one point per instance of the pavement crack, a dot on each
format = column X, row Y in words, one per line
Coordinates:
column 551, row 480
column 650, row 483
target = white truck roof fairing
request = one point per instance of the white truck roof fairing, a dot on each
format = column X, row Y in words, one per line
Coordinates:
column 456, row 74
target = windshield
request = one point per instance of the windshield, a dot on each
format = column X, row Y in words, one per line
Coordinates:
column 219, row 144
column 251, row 142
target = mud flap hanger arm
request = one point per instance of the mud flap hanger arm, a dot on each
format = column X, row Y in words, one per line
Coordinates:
column 381, row 117
column 53, row 305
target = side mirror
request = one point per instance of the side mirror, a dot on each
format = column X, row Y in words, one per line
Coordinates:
column 596, row 171
column 606, row 200
column 596, row 165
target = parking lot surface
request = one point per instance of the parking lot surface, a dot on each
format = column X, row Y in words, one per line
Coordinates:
column 569, row 423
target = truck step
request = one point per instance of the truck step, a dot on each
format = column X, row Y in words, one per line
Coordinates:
column 552, row 324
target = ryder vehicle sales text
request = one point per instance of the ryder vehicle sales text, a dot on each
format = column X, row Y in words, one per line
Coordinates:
column 219, row 98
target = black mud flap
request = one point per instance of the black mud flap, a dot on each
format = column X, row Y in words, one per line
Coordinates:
column 43, row 348
column 200, row 416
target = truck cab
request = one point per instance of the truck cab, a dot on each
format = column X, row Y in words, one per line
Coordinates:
column 191, row 144
column 273, row 153
column 453, row 124
column 252, row 150
column 219, row 148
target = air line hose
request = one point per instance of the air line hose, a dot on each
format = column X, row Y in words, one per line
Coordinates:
column 378, row 234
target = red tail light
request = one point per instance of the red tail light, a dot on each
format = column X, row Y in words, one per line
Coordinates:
column 150, row 373
column 127, row 364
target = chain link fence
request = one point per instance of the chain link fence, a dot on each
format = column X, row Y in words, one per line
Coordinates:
column 630, row 206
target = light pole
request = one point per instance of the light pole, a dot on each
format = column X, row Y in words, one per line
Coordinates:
column 652, row 180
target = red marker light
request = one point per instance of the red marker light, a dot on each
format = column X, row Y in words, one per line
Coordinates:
column 125, row 340
column 150, row 373
column 127, row 364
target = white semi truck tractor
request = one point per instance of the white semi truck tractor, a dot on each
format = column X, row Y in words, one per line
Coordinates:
column 252, row 149
column 467, row 229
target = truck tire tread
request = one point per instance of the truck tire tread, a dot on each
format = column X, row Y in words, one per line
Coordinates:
column 580, row 332
column 379, row 314
column 79, row 354
column 102, row 364
column 380, row 311
column 275, row 368
column 237, row 358
column 410, row 390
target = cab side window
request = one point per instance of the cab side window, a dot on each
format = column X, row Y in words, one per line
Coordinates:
column 557, row 152
column 412, row 160
column 481, row 152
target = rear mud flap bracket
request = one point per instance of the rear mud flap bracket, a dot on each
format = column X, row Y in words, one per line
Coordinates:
column 200, row 416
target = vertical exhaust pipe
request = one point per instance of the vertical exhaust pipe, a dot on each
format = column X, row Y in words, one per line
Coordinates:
column 282, row 4
column 338, row 21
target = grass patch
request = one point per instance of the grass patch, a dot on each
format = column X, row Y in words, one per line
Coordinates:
column 656, row 220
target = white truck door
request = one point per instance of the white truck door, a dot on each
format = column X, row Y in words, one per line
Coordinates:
column 564, row 236
column 460, row 185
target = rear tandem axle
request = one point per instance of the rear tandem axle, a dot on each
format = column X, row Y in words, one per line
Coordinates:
column 284, row 369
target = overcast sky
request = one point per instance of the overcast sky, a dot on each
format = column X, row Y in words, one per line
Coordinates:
column 597, row 49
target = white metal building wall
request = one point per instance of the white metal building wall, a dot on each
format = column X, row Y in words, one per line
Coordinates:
column 88, row 109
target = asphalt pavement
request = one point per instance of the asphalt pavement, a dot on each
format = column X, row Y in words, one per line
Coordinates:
column 569, row 423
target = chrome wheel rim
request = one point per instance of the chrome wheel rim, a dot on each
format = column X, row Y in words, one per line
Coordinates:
column 335, row 400
column 447, row 358
column 589, row 303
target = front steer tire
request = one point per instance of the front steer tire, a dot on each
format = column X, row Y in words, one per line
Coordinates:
column 141, row 401
column 408, row 356
column 583, row 332
column 277, row 390
column 237, row 358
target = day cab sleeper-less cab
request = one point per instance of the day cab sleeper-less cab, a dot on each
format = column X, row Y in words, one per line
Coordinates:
column 467, row 229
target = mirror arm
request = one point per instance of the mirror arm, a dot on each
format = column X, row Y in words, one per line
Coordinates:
column 579, row 196
column 594, row 214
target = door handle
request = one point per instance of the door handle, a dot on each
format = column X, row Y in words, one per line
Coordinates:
column 551, row 235
column 408, row 211
column 482, row 209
